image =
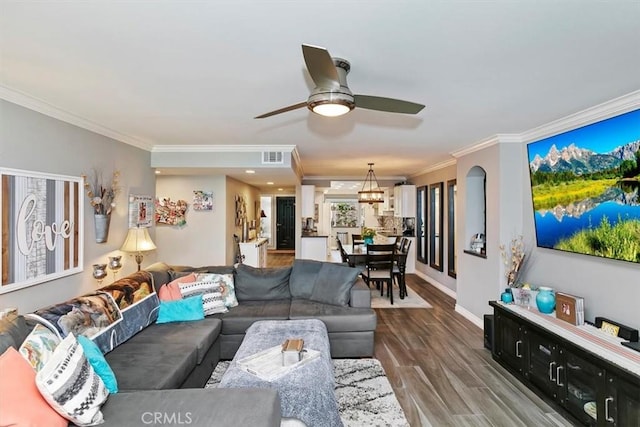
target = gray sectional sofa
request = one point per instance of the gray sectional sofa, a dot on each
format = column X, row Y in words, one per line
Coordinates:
column 161, row 358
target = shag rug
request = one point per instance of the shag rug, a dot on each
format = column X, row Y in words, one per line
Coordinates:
column 412, row 300
column 363, row 392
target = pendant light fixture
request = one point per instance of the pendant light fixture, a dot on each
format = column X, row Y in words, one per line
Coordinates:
column 373, row 194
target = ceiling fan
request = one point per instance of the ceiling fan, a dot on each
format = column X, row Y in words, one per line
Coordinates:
column 331, row 96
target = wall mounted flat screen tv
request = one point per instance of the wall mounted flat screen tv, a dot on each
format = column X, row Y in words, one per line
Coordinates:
column 585, row 186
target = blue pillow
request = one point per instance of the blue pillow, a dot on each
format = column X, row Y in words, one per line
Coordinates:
column 181, row 310
column 99, row 363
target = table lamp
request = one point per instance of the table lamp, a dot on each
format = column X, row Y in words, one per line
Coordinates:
column 137, row 242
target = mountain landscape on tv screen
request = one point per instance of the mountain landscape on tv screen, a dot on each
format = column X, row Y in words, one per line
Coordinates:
column 585, row 186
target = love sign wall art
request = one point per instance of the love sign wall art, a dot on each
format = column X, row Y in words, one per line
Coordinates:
column 42, row 227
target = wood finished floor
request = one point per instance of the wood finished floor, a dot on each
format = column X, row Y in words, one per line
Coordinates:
column 440, row 371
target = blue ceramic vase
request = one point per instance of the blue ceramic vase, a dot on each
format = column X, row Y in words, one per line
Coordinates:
column 368, row 240
column 545, row 300
column 506, row 297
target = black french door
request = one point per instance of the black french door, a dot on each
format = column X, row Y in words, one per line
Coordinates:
column 285, row 222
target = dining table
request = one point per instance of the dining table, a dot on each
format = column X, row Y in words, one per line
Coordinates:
column 357, row 256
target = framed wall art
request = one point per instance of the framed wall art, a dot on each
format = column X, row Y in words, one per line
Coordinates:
column 169, row 212
column 141, row 210
column 42, row 227
column 202, row 200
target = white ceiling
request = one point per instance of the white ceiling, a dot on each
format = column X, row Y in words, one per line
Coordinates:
column 196, row 72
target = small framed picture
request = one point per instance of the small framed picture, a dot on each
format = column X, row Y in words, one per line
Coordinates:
column 140, row 211
column 202, row 200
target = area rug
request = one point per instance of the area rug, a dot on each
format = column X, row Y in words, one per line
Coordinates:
column 412, row 300
column 363, row 392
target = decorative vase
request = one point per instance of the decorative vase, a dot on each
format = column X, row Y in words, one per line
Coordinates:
column 368, row 240
column 506, row 297
column 545, row 300
column 101, row 224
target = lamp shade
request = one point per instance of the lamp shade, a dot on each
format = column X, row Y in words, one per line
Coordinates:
column 138, row 240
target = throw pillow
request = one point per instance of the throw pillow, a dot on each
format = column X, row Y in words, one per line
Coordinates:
column 21, row 404
column 183, row 310
column 225, row 283
column 71, row 386
column 171, row 291
column 213, row 303
column 303, row 276
column 199, row 287
column 333, row 284
column 38, row 347
column 260, row 284
column 99, row 363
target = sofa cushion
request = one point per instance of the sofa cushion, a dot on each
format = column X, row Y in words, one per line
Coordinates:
column 201, row 334
column 262, row 283
column 333, row 284
column 303, row 276
column 21, row 404
column 160, row 273
column 336, row 318
column 197, row 407
column 154, row 365
column 13, row 331
column 239, row 318
column 171, row 291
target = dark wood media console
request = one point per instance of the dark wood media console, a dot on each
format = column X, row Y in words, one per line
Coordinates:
column 593, row 379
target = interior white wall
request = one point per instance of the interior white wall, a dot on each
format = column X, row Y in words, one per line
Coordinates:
column 35, row 142
column 201, row 240
column 252, row 197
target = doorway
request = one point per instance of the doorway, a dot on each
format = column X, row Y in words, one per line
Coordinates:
column 285, row 222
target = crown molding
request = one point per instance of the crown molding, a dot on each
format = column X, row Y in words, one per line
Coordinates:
column 501, row 138
column 222, row 148
column 352, row 178
column 435, row 167
column 43, row 107
column 606, row 110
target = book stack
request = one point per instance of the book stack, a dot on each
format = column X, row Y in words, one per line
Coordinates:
column 570, row 308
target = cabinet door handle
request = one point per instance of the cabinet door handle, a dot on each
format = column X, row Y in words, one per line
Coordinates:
column 551, row 366
column 518, row 343
column 606, row 409
column 558, row 376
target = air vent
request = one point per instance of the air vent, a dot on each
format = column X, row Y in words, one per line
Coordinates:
column 272, row 157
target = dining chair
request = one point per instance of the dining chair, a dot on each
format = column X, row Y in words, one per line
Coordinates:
column 379, row 267
column 356, row 239
column 343, row 253
column 400, row 267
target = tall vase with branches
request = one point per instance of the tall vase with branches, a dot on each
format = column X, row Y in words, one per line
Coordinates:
column 102, row 198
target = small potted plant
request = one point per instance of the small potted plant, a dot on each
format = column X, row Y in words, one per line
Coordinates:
column 368, row 234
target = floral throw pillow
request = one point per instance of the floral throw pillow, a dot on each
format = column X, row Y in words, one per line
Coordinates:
column 226, row 285
column 38, row 347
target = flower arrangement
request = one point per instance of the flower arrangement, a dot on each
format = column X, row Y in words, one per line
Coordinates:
column 513, row 259
column 102, row 197
column 368, row 233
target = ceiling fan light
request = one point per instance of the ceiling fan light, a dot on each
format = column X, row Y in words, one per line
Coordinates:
column 331, row 109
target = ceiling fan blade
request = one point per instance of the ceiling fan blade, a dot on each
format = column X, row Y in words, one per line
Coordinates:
column 387, row 104
column 320, row 66
column 282, row 110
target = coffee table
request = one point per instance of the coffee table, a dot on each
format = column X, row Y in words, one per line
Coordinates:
column 307, row 393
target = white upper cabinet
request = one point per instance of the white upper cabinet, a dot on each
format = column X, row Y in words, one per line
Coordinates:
column 404, row 203
column 308, row 193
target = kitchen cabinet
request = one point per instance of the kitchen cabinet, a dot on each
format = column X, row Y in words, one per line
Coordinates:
column 308, row 200
column 255, row 252
column 404, row 201
column 582, row 379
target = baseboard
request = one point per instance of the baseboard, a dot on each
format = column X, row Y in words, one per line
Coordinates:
column 436, row 284
column 469, row 316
